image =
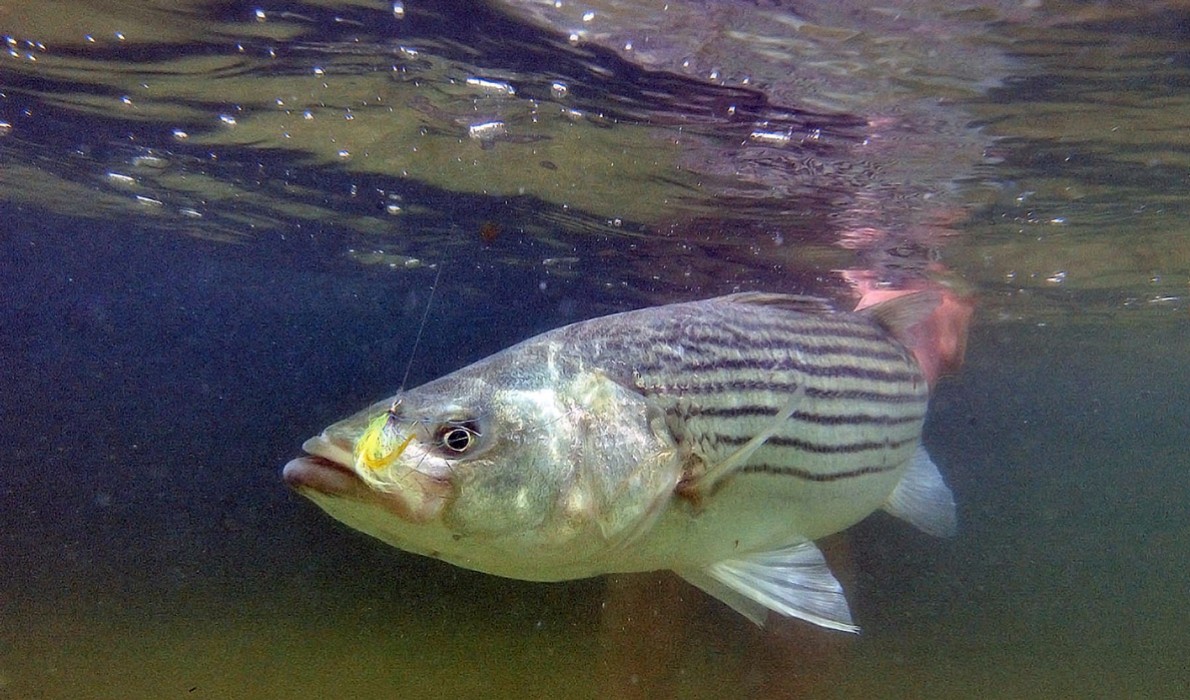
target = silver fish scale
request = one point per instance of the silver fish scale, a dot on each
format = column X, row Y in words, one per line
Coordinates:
column 722, row 370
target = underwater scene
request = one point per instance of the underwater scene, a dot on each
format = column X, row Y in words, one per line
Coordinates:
column 227, row 227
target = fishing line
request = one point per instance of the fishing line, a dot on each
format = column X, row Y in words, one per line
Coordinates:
column 417, row 340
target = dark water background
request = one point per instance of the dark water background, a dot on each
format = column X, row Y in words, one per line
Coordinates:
column 158, row 369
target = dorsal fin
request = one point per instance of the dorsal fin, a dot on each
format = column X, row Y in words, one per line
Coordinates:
column 899, row 315
column 790, row 302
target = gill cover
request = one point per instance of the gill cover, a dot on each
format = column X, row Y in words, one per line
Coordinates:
column 589, row 461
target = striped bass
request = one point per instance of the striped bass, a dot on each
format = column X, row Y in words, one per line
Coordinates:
column 716, row 438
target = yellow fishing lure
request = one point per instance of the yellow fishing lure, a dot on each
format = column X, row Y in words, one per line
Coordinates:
column 381, row 444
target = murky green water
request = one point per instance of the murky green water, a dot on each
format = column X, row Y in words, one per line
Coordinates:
column 220, row 228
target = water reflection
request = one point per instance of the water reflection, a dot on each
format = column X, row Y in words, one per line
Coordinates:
column 206, row 135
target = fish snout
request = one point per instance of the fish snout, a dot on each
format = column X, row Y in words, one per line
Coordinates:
column 321, row 475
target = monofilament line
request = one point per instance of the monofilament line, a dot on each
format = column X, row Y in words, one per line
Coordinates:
column 424, row 315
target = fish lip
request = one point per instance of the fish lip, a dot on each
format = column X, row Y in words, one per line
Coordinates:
column 315, row 473
column 324, row 463
column 333, row 449
column 325, row 468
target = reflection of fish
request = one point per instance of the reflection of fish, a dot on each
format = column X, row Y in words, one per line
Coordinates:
column 715, row 438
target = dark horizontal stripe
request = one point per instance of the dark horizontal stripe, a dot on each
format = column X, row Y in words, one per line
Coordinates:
column 722, row 323
column 730, row 335
column 762, row 365
column 818, row 326
column 745, row 385
column 805, row 417
column 812, row 476
column 891, row 354
column 861, row 395
column 702, row 348
column 814, row 447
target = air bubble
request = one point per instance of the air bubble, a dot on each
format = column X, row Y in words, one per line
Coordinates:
column 772, row 138
column 154, row 162
column 497, row 87
column 486, row 131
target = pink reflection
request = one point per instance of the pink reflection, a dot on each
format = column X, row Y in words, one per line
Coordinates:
column 940, row 341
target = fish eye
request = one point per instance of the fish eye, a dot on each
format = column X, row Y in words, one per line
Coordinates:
column 457, row 438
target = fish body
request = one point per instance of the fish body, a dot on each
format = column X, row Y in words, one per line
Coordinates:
column 716, row 438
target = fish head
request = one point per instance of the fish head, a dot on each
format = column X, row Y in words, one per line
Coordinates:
column 533, row 470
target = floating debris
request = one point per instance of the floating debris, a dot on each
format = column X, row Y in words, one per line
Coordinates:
column 489, row 232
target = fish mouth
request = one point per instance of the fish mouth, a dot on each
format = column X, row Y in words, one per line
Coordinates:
column 322, row 475
column 325, row 471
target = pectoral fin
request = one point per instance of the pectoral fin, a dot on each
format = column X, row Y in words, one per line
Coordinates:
column 705, row 483
column 793, row 581
column 922, row 498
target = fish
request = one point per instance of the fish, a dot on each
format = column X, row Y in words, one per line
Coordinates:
column 716, row 438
